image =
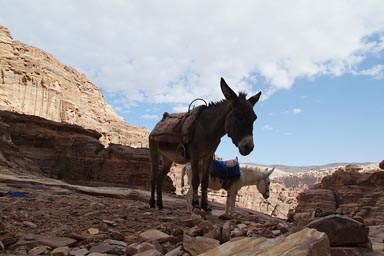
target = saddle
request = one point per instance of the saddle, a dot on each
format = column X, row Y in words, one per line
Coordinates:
column 227, row 171
column 176, row 128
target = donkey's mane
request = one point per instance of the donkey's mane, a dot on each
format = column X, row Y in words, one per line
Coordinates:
column 242, row 95
column 253, row 170
column 212, row 103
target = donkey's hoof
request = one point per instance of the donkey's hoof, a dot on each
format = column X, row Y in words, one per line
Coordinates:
column 225, row 216
column 152, row 203
column 195, row 205
column 207, row 209
column 199, row 212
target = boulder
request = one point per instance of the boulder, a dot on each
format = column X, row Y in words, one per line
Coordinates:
column 197, row 245
column 342, row 231
column 353, row 251
column 153, row 235
column 307, row 242
column 381, row 165
column 61, row 251
column 377, row 178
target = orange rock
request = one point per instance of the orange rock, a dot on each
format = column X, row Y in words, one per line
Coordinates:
column 36, row 83
column 381, row 165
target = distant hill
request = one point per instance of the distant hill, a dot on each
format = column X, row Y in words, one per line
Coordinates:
column 296, row 169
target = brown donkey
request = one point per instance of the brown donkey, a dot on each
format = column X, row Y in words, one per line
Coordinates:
column 233, row 116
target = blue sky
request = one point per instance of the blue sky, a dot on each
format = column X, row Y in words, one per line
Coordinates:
column 320, row 65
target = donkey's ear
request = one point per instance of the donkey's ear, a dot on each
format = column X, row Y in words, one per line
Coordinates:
column 271, row 171
column 255, row 98
column 229, row 94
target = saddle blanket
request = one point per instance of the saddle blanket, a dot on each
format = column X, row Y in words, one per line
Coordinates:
column 225, row 170
column 176, row 128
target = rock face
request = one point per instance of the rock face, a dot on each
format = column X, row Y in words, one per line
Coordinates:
column 305, row 242
column 33, row 82
column 342, row 231
column 381, row 165
column 10, row 156
column 70, row 152
column 347, row 192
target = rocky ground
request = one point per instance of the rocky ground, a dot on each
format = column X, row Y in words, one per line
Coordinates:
column 67, row 217
column 41, row 216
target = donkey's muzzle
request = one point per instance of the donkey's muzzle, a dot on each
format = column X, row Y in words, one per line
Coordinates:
column 266, row 195
column 246, row 145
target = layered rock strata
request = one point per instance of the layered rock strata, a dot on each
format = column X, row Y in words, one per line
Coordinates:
column 347, row 192
column 33, row 82
column 71, row 152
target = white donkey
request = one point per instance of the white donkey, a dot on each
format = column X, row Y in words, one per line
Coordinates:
column 249, row 175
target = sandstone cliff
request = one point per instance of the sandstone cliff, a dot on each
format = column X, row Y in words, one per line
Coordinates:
column 33, row 82
column 348, row 191
column 30, row 144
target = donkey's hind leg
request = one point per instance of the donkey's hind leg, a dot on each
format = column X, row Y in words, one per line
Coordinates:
column 205, row 183
column 195, row 183
column 154, row 158
column 165, row 166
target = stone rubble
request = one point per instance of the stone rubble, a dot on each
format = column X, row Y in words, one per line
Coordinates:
column 175, row 233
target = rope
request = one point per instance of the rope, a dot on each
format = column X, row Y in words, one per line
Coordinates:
column 275, row 208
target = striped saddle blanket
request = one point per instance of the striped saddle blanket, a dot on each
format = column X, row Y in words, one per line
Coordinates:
column 225, row 170
column 176, row 128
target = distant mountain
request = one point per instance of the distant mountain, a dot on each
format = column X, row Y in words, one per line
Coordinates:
column 307, row 168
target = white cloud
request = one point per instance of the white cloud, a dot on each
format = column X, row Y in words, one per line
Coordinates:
column 267, row 127
column 296, row 110
column 179, row 108
column 145, row 116
column 375, row 71
column 175, row 51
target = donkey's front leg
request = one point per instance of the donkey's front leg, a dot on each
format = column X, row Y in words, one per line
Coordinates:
column 228, row 202
column 195, row 183
column 204, row 186
column 232, row 200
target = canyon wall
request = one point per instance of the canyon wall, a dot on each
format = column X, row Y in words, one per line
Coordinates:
column 31, row 144
column 348, row 191
column 33, row 82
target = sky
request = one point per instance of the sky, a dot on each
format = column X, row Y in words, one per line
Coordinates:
column 319, row 65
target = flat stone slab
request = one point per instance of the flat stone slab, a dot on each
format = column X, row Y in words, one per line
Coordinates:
column 55, row 242
column 153, row 235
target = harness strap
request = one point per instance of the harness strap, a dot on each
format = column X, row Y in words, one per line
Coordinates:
column 181, row 144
